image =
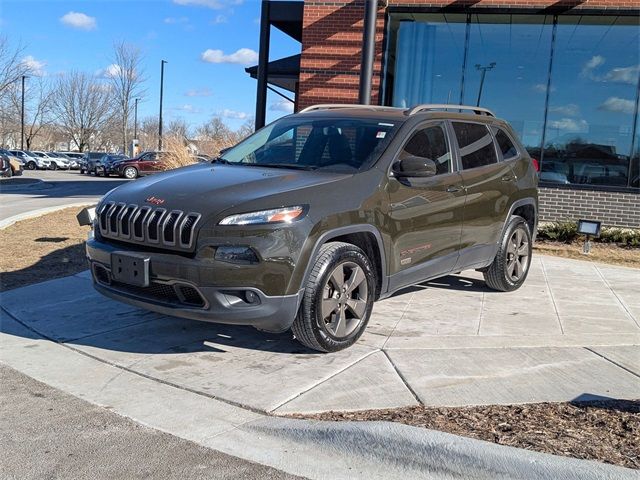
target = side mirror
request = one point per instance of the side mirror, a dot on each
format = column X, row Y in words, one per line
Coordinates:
column 413, row 166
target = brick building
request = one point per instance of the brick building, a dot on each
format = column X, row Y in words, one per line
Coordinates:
column 565, row 74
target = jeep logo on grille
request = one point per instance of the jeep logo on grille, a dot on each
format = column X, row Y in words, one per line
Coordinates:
column 154, row 200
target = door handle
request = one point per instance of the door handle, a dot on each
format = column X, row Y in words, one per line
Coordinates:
column 453, row 188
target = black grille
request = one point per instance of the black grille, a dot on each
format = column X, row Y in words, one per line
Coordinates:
column 156, row 291
column 191, row 295
column 102, row 274
column 174, row 229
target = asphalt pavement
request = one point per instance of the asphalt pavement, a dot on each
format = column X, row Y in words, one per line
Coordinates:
column 61, row 187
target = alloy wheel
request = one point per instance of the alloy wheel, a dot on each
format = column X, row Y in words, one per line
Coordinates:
column 130, row 172
column 517, row 254
column 344, row 299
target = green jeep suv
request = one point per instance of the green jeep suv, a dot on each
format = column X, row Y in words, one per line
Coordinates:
column 309, row 221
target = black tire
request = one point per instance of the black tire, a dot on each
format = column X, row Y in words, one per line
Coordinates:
column 130, row 173
column 54, row 166
column 101, row 172
column 511, row 265
column 349, row 319
column 32, row 165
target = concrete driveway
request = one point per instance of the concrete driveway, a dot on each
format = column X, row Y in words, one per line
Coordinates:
column 572, row 332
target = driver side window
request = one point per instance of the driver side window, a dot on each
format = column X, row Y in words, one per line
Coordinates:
column 430, row 142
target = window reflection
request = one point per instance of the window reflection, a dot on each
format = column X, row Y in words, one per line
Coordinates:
column 592, row 101
column 591, row 109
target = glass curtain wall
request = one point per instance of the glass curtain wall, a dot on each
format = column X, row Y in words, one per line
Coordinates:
column 567, row 84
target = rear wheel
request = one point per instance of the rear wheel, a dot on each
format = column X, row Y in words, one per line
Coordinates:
column 338, row 299
column 31, row 165
column 130, row 173
column 54, row 166
column 511, row 264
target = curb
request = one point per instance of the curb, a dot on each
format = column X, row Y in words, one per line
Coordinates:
column 7, row 222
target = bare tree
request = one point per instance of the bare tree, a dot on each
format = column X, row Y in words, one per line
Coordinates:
column 38, row 107
column 148, row 133
column 125, row 75
column 11, row 65
column 215, row 135
column 82, row 107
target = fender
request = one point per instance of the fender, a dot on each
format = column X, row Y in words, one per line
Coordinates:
column 337, row 232
column 519, row 203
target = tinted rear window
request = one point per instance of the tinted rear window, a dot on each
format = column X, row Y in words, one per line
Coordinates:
column 476, row 145
column 505, row 144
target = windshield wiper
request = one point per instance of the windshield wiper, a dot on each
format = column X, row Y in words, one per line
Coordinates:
column 292, row 166
column 221, row 160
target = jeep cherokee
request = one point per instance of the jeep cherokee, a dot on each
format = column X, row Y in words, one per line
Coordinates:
column 307, row 222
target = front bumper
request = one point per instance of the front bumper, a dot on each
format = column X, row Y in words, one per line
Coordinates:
column 174, row 290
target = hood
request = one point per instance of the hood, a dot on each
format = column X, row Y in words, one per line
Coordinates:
column 209, row 189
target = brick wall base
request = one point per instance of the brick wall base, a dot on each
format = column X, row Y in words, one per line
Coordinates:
column 613, row 209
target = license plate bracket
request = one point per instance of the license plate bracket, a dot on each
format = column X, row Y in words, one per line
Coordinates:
column 130, row 268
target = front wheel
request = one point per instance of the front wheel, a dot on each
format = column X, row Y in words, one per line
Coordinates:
column 511, row 264
column 54, row 166
column 31, row 165
column 130, row 173
column 338, row 299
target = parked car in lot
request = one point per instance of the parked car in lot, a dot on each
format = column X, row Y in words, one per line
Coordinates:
column 15, row 163
column 105, row 166
column 76, row 159
column 31, row 161
column 144, row 164
column 59, row 161
column 92, row 158
column 307, row 222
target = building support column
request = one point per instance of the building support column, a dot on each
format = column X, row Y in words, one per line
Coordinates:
column 263, row 62
column 368, row 51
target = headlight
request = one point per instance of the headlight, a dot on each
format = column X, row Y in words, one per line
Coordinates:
column 276, row 215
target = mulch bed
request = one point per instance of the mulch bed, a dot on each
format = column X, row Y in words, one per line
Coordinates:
column 607, row 431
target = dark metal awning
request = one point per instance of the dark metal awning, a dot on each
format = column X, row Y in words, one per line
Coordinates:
column 287, row 17
column 283, row 73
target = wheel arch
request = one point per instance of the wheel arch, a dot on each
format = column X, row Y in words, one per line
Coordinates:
column 527, row 209
column 365, row 236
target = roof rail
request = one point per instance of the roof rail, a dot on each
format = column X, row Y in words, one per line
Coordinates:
column 442, row 106
column 329, row 106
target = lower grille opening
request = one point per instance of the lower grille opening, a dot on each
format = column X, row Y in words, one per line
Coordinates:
column 191, row 295
column 102, row 274
column 156, row 291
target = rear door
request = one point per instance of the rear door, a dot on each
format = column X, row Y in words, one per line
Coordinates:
column 425, row 214
column 489, row 184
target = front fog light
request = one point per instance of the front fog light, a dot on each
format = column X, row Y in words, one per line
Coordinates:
column 237, row 255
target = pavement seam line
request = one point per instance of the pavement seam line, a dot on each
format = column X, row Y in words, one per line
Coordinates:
column 481, row 314
column 404, row 310
column 139, row 374
column 620, row 301
column 553, row 300
column 612, row 361
column 293, row 397
column 404, row 380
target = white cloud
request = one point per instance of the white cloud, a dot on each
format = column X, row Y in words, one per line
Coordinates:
column 174, row 20
column 199, row 92
column 282, row 106
column 214, row 4
column 36, row 67
column 570, row 125
column 594, row 62
column 226, row 113
column 187, row 108
column 571, row 109
column 243, row 56
column 110, row 71
column 616, row 104
column 219, row 19
column 542, row 88
column 79, row 20
column 627, row 75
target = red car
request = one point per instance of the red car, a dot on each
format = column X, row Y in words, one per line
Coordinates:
column 144, row 164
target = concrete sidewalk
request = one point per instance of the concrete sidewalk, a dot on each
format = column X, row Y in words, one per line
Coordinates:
column 571, row 333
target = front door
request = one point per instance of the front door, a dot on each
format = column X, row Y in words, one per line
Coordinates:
column 425, row 214
column 147, row 162
column 489, row 184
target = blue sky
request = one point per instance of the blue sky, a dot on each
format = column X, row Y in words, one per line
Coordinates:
column 207, row 43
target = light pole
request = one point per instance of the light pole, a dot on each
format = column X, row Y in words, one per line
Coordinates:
column 162, row 62
column 135, row 119
column 22, row 116
column 483, row 69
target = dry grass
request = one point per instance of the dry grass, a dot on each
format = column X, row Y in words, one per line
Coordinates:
column 42, row 248
column 177, row 153
column 600, row 252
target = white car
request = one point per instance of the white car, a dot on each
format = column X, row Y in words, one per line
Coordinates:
column 56, row 161
column 31, row 161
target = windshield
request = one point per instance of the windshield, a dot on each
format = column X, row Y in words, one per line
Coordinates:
column 328, row 143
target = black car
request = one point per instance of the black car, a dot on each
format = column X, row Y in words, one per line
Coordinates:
column 105, row 166
column 92, row 158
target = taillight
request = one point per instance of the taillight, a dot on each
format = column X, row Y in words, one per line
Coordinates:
column 536, row 164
